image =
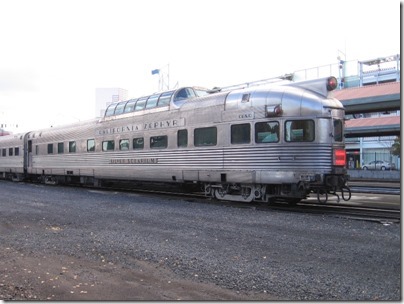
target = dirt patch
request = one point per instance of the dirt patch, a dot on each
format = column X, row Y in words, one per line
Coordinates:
column 53, row 277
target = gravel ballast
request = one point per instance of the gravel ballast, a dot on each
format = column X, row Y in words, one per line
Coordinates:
column 274, row 255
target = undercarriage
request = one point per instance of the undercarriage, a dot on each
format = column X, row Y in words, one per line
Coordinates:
column 290, row 193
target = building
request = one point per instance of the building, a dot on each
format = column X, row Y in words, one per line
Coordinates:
column 105, row 96
column 373, row 74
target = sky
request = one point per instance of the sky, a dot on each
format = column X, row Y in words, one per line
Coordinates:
column 55, row 53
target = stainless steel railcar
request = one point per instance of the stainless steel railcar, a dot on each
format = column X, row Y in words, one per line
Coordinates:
column 259, row 143
column 12, row 157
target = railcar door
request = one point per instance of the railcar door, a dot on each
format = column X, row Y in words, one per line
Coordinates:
column 27, row 153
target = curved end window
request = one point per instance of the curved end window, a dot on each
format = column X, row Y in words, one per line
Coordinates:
column 299, row 131
column 110, row 110
column 338, row 131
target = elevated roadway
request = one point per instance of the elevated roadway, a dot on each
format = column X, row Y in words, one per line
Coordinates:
column 375, row 126
column 373, row 98
column 367, row 99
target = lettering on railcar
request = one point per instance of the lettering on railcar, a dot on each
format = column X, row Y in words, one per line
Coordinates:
column 246, row 116
column 133, row 161
column 163, row 124
column 237, row 115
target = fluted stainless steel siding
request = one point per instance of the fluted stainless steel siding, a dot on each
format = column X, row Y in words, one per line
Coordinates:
column 14, row 164
column 292, row 158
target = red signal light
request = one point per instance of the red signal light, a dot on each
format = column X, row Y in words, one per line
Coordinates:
column 332, row 83
column 339, row 157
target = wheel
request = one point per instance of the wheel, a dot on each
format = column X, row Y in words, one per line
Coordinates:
column 383, row 168
column 220, row 193
column 365, row 168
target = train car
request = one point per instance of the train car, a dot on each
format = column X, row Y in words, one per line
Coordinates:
column 12, row 157
column 59, row 154
column 258, row 143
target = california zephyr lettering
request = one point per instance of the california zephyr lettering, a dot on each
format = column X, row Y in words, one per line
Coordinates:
column 163, row 124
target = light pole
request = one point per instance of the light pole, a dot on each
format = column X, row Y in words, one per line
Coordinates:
column 341, row 69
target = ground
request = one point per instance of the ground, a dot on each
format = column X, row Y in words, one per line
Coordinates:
column 65, row 243
column 25, row 277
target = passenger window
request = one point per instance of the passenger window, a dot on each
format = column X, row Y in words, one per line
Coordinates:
column 10, row 151
column 50, row 148
column 240, row 134
column 267, row 132
column 4, row 152
column 130, row 106
column 108, row 145
column 120, row 107
column 124, row 144
column 91, row 145
column 60, row 148
column 165, row 99
column 299, row 131
column 182, row 138
column 72, row 146
column 140, row 103
column 158, row 142
column 17, row 151
column 338, row 132
column 138, row 143
column 152, row 101
column 205, row 137
column 110, row 110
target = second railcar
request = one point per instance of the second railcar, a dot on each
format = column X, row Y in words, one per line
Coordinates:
column 12, row 157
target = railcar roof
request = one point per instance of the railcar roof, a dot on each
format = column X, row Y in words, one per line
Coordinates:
column 254, row 95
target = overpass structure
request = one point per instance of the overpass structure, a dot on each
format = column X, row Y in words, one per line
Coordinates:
column 374, row 98
column 374, row 126
column 367, row 86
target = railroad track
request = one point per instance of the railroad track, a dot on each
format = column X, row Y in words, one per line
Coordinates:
column 384, row 215
column 383, row 190
column 342, row 209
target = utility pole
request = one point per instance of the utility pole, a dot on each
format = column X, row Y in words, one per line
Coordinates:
column 342, row 64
